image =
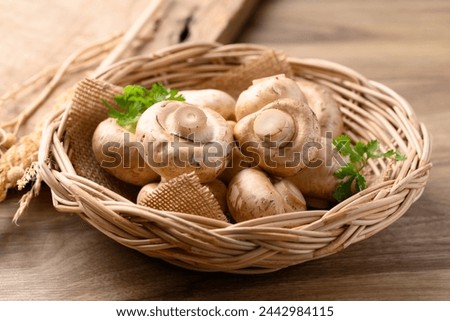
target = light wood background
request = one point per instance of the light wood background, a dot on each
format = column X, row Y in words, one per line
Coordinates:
column 403, row 44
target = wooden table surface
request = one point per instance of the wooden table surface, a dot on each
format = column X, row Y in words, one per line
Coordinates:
column 403, row 44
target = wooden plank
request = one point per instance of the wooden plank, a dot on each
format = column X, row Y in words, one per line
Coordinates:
column 200, row 20
column 219, row 20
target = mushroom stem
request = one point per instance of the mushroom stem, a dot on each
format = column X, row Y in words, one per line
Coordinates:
column 275, row 125
column 190, row 122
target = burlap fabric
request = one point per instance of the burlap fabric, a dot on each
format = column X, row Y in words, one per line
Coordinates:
column 184, row 194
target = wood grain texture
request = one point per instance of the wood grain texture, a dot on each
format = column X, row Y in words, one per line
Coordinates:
column 403, row 44
column 200, row 20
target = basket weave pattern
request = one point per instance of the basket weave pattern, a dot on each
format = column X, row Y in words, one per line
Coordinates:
column 371, row 111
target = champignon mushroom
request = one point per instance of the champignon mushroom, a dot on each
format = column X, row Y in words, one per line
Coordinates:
column 281, row 137
column 264, row 91
column 219, row 190
column 180, row 138
column 117, row 152
column 145, row 190
column 252, row 194
column 214, row 99
column 320, row 100
column 317, row 180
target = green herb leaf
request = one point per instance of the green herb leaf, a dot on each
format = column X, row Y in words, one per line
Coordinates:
column 343, row 145
column 346, row 170
column 360, row 182
column 372, row 148
column 343, row 190
column 350, row 174
column 360, row 148
column 135, row 100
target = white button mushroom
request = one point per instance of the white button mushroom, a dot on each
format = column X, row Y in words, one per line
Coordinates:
column 214, row 99
column 264, row 91
column 146, row 190
column 317, row 180
column 252, row 194
column 281, row 137
column 219, row 190
column 117, row 152
column 320, row 100
column 180, row 138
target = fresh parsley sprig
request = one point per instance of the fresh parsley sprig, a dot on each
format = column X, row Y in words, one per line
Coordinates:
column 135, row 100
column 358, row 155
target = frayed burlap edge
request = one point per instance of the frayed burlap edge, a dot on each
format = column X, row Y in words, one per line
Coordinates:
column 184, row 194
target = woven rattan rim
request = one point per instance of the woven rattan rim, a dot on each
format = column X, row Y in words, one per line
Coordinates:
column 371, row 111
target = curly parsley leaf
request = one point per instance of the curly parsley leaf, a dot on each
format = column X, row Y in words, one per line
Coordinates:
column 135, row 99
column 358, row 154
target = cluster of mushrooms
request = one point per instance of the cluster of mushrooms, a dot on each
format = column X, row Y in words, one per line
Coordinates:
column 254, row 153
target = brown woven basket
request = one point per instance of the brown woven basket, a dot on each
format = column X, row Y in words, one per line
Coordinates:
column 371, row 111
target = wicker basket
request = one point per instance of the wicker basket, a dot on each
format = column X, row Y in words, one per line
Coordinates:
column 371, row 111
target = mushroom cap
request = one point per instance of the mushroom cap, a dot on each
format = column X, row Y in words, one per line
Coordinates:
column 180, row 138
column 292, row 196
column 118, row 152
column 219, row 190
column 146, row 190
column 320, row 100
column 252, row 194
column 214, row 99
column 264, row 91
column 281, row 137
column 317, row 180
